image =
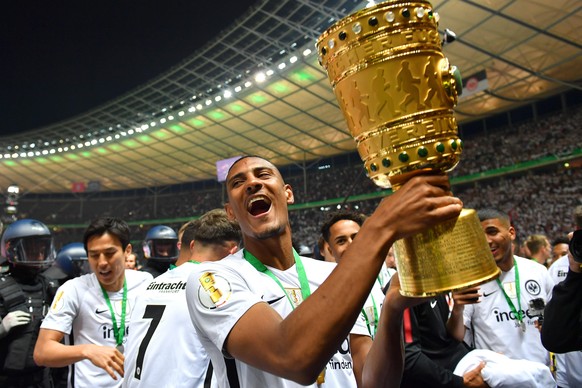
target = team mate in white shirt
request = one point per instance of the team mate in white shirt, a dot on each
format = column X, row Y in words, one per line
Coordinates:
column 275, row 329
column 92, row 311
column 163, row 349
column 500, row 320
column 338, row 231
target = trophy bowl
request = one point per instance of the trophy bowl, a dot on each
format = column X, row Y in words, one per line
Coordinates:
column 397, row 92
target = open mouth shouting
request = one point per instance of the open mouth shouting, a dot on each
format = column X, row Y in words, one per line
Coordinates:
column 259, row 205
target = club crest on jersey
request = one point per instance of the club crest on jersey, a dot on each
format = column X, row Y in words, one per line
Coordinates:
column 533, row 287
column 214, row 290
column 58, row 301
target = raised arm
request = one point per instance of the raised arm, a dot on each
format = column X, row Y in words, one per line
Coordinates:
column 299, row 346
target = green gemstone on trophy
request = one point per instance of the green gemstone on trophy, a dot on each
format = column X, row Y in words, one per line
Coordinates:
column 406, row 12
column 386, row 162
column 454, row 145
column 440, row 147
column 422, row 152
column 374, row 167
column 403, row 157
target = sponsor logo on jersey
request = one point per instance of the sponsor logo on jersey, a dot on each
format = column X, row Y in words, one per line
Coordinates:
column 167, row 287
column 344, row 359
column 214, row 290
column 508, row 315
column 533, row 287
column 486, row 294
column 108, row 334
column 100, row 311
column 562, row 273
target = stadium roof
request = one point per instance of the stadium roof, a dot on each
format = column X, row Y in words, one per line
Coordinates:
column 211, row 105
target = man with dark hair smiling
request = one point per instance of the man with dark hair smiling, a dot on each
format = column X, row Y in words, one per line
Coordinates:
column 270, row 318
column 93, row 311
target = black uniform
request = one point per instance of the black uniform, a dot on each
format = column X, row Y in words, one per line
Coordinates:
column 25, row 290
column 431, row 354
column 562, row 328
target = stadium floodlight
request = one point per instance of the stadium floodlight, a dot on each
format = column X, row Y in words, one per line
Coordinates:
column 260, row 77
column 13, row 189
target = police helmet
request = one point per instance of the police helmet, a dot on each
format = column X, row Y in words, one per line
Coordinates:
column 72, row 259
column 28, row 243
column 161, row 244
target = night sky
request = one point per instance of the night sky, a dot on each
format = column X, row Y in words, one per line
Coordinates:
column 59, row 59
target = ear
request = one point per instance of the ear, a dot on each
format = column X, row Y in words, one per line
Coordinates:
column 128, row 249
column 289, row 194
column 192, row 243
column 233, row 249
column 229, row 212
column 511, row 231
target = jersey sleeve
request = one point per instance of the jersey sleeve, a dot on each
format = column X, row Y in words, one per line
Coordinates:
column 217, row 297
column 64, row 308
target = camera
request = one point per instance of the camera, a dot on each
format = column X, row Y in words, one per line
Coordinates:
column 536, row 309
column 576, row 245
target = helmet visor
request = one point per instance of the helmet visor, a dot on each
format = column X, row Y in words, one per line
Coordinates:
column 32, row 251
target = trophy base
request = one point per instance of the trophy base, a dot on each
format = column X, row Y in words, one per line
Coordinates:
column 448, row 257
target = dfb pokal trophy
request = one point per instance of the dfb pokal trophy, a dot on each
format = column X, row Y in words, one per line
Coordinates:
column 397, row 92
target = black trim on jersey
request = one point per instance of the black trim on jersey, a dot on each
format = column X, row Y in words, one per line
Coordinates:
column 231, row 372
column 208, row 378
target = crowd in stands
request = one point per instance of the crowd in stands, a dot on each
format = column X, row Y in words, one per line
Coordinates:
column 538, row 201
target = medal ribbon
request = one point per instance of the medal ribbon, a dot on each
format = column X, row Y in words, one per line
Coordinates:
column 517, row 291
column 303, row 282
column 121, row 330
column 305, row 291
column 375, row 321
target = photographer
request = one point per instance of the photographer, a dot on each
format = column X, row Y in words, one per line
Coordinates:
column 562, row 328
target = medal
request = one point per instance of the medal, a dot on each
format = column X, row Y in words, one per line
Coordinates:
column 522, row 325
column 119, row 348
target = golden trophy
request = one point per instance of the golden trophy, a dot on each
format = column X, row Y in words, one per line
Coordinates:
column 397, row 92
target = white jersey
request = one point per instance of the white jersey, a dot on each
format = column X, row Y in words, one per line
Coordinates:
column 163, row 349
column 80, row 311
column 569, row 368
column 385, row 275
column 237, row 286
column 493, row 325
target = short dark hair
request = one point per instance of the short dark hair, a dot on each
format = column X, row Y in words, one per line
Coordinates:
column 112, row 225
column 488, row 214
column 334, row 217
column 213, row 228
column 561, row 240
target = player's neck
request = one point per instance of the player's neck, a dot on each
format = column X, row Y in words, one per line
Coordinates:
column 506, row 264
column 116, row 286
column 276, row 252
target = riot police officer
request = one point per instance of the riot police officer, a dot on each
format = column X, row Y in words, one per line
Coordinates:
column 25, row 297
column 160, row 249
